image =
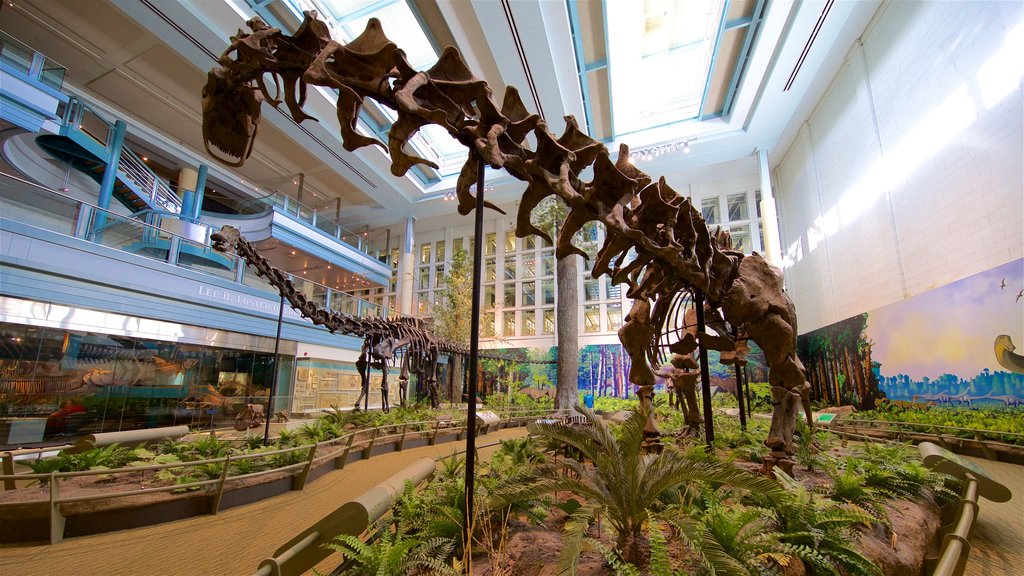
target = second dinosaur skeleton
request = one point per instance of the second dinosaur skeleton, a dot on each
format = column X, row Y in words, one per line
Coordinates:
column 657, row 243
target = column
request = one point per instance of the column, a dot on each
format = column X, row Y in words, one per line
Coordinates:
column 110, row 174
column 769, row 217
column 187, row 178
column 406, row 269
column 197, row 202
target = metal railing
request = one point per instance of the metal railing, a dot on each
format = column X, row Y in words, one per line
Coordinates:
column 947, row 436
column 56, row 211
column 315, row 454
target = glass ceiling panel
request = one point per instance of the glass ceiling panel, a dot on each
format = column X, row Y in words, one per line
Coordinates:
column 660, row 54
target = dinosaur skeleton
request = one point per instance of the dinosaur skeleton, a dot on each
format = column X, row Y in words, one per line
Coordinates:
column 674, row 250
column 383, row 338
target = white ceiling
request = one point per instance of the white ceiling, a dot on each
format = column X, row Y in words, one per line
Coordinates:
column 147, row 60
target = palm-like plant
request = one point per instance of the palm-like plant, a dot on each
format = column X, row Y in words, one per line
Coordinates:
column 618, row 481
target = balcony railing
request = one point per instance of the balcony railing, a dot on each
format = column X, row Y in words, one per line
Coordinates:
column 55, row 211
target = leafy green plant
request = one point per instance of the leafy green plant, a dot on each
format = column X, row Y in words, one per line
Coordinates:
column 394, row 553
column 105, row 458
column 619, row 481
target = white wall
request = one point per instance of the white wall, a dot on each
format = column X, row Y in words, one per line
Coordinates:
column 908, row 174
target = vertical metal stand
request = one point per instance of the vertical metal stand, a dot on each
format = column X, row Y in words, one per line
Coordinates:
column 705, row 375
column 739, row 386
column 474, row 350
column 273, row 380
column 746, row 393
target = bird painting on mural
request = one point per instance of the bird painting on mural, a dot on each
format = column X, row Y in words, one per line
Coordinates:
column 1002, row 284
column 1019, row 296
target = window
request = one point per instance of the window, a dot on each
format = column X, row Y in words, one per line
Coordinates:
column 424, row 278
column 547, row 288
column 614, row 316
column 510, row 324
column 438, row 274
column 490, row 244
column 510, row 242
column 421, row 302
column 510, row 295
column 487, row 325
column 591, row 290
column 456, row 245
column 439, row 251
column 425, row 254
column 592, row 318
column 530, row 242
column 510, row 268
column 709, row 209
column 549, row 321
column 741, row 238
column 529, row 293
column 757, row 202
column 529, row 323
column 528, row 265
column 488, row 301
column 613, row 291
column 489, row 270
column 547, row 260
column 738, row 207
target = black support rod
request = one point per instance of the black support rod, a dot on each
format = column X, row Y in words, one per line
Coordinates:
column 273, row 379
column 705, row 374
column 739, row 385
column 474, row 352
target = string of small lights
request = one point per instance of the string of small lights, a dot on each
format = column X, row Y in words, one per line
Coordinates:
column 651, row 152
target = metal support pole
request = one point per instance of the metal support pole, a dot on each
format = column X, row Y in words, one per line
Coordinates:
column 705, row 374
column 200, row 192
column 474, row 353
column 746, row 385
column 273, row 380
column 739, row 385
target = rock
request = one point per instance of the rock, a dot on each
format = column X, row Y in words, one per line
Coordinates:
column 915, row 525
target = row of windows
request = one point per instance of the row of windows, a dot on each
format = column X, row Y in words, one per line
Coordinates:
column 525, row 322
column 436, row 252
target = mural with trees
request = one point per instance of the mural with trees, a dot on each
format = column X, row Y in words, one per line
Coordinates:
column 938, row 347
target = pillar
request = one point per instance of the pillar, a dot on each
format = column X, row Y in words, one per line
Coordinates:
column 110, row 175
column 197, row 203
column 769, row 217
column 406, row 269
column 187, row 178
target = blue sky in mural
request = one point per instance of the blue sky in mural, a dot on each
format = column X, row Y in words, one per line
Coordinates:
column 951, row 329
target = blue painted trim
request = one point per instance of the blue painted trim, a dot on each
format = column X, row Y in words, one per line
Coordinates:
column 14, row 112
column 581, row 67
column 739, row 22
column 741, row 62
column 714, row 60
column 110, row 173
column 34, row 82
column 597, row 65
column 346, row 18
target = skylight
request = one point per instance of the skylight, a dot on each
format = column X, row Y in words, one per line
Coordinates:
column 659, row 54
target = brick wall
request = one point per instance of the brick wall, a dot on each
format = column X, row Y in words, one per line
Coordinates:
column 908, row 173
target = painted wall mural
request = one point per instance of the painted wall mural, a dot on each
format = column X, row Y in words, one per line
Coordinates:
column 950, row 346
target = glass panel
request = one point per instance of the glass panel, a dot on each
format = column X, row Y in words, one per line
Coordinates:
column 510, row 268
column 757, row 202
column 487, row 325
column 510, row 295
column 738, row 207
column 52, row 74
column 709, row 209
column 547, row 264
column 528, row 265
column 510, row 242
column 202, row 258
column 490, row 244
column 529, row 323
column 510, row 324
column 549, row 321
column 741, row 238
column 547, row 288
column 421, row 302
column 425, row 253
column 489, row 270
column 529, row 293
column 456, row 245
column 438, row 275
column 612, row 291
column 31, row 205
column 591, row 290
column 592, row 319
column 424, row 278
column 614, row 316
column 17, row 56
column 488, row 301
column 439, row 249
column 530, row 242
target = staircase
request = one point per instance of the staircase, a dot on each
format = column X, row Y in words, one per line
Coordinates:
column 84, row 142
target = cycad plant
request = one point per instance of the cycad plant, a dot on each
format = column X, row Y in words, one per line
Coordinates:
column 616, row 480
column 393, row 553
